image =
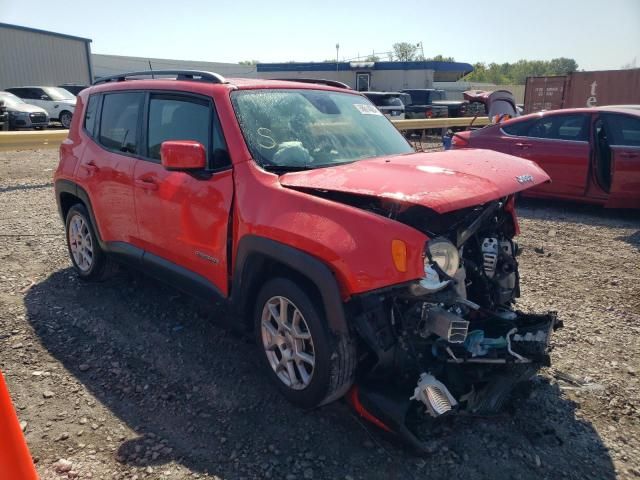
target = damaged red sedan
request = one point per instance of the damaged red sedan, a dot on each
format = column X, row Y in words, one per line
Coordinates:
column 360, row 266
column 591, row 154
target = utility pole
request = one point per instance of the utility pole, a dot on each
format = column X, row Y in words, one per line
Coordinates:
column 337, row 52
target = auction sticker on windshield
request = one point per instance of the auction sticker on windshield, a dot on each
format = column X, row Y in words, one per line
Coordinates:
column 367, row 109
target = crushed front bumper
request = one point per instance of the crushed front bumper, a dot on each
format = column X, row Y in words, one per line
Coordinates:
column 479, row 383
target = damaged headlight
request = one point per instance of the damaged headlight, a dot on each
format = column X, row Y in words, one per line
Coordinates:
column 444, row 253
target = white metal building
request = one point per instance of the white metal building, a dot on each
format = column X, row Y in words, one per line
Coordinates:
column 36, row 57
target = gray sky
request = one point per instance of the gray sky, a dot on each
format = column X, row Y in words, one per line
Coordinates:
column 597, row 34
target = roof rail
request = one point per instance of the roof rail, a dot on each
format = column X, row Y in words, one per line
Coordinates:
column 194, row 75
column 320, row 81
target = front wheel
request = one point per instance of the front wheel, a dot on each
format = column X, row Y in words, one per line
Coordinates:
column 309, row 365
column 65, row 119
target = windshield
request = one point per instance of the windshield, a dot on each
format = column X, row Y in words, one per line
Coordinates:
column 10, row 100
column 312, row 128
column 58, row 94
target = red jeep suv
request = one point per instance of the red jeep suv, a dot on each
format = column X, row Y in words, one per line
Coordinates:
column 358, row 264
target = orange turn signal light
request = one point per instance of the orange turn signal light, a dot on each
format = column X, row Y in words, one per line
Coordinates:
column 399, row 255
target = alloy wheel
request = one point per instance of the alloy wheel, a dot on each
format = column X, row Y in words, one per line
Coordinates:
column 287, row 342
column 80, row 243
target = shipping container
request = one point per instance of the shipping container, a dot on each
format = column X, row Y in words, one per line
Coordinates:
column 583, row 89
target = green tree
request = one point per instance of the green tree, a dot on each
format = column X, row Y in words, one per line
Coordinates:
column 372, row 58
column 441, row 58
column 249, row 62
column 404, row 51
column 517, row 73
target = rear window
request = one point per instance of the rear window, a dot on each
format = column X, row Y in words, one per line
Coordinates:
column 119, row 121
column 556, row 127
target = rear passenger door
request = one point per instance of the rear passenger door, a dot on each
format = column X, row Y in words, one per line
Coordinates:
column 112, row 120
column 625, row 159
column 183, row 216
column 559, row 143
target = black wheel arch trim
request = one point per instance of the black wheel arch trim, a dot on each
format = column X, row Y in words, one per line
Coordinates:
column 67, row 186
column 295, row 259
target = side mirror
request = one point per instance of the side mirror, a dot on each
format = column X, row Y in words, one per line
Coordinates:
column 183, row 155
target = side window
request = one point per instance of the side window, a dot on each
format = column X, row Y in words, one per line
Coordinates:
column 119, row 121
column 518, row 128
column 561, row 127
column 90, row 114
column 38, row 94
column 624, row 130
column 175, row 118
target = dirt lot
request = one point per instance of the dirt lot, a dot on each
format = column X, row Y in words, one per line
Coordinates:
column 131, row 379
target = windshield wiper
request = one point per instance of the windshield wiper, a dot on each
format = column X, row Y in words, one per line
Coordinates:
column 270, row 167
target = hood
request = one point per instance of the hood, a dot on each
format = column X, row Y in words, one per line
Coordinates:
column 26, row 108
column 442, row 181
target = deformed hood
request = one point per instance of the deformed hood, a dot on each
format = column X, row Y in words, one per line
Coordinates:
column 442, row 181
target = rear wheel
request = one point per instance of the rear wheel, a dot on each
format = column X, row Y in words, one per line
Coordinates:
column 307, row 363
column 65, row 119
column 89, row 260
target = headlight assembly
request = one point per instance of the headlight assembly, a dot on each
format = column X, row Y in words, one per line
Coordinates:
column 443, row 253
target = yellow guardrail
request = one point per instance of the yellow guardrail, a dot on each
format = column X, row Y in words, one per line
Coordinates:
column 36, row 139
column 52, row 138
column 420, row 124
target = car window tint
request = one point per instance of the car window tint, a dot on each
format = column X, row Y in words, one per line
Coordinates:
column 90, row 114
column 624, row 130
column 177, row 119
column 561, row 127
column 518, row 128
column 119, row 121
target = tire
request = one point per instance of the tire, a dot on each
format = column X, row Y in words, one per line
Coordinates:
column 334, row 359
column 90, row 262
column 65, row 119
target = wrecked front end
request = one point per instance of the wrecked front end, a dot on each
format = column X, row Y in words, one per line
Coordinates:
column 452, row 341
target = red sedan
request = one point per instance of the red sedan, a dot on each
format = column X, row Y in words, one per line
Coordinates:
column 591, row 154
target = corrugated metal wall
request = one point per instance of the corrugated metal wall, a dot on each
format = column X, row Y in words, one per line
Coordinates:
column 105, row 65
column 33, row 58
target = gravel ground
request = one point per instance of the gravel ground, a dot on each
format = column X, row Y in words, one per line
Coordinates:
column 131, row 379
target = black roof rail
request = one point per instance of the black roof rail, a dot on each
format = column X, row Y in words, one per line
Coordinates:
column 195, row 75
column 320, row 81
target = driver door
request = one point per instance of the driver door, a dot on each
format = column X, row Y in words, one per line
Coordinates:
column 183, row 217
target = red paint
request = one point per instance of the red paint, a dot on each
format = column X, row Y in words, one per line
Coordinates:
column 354, row 400
column 185, row 218
column 183, row 155
column 572, row 165
column 442, row 181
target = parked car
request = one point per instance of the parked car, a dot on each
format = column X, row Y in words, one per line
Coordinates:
column 74, row 88
column 425, row 98
column 335, row 243
column 591, row 154
column 23, row 115
column 58, row 102
column 389, row 103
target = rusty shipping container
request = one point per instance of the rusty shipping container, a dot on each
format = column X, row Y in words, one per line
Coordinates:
column 583, row 89
column 544, row 93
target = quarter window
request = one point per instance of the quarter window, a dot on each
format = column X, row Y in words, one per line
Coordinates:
column 90, row 115
column 119, row 121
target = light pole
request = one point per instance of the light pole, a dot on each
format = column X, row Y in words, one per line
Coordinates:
column 337, row 52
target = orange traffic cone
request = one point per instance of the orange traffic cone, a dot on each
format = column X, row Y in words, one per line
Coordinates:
column 15, row 459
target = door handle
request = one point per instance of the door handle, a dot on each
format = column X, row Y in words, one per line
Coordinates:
column 147, row 184
column 628, row 154
column 523, row 145
column 90, row 167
